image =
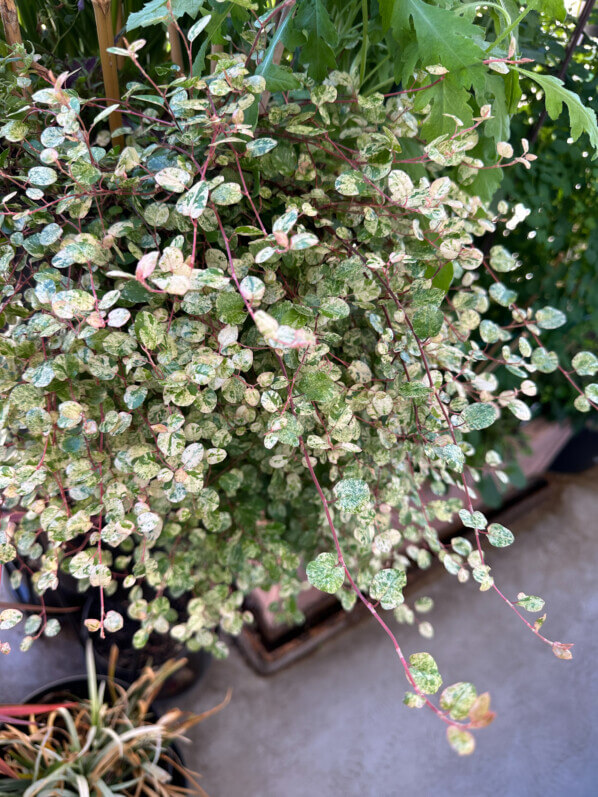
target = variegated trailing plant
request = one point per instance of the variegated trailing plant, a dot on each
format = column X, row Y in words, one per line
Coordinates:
column 249, row 341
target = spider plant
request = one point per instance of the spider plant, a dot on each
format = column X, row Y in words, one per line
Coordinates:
column 104, row 744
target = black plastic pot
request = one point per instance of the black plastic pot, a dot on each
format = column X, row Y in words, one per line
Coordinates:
column 66, row 596
column 76, row 687
column 131, row 661
column 580, row 453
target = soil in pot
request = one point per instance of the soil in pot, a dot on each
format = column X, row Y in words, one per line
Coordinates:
column 76, row 687
column 131, row 661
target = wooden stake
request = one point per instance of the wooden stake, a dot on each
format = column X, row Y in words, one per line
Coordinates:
column 215, row 48
column 102, row 13
column 12, row 31
column 176, row 50
column 120, row 59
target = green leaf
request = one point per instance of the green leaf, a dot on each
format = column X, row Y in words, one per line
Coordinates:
column 501, row 294
column 50, row 234
column 15, row 130
column 194, row 201
column 219, row 13
column 479, row 416
column 72, row 304
column 457, row 699
column 9, row 618
column 7, row 552
column 335, row 307
column 473, row 520
column 352, row 495
column 500, row 536
column 425, row 672
column 427, row 321
column 441, row 278
column 280, row 78
column 503, row 261
column 553, row 9
column 400, row 185
column 316, row 386
column 85, row 173
column 198, row 27
column 313, row 20
column 103, row 114
column 461, row 545
column 530, row 603
column 152, row 13
column 173, row 179
column 442, row 37
column 581, row 119
column 42, row 175
column 156, row 11
column 550, row 318
column 351, row 184
column 447, row 97
column 260, row 146
column 286, row 222
column 303, row 240
column 545, row 361
column 462, row 742
column 453, row 456
column 134, row 396
column 231, row 307
column 585, row 363
column 325, row 573
column 149, row 331
column 41, row 376
column 277, row 78
column 113, row 621
column 412, row 700
column 414, row 390
column 591, row 391
column 387, row 587
column 227, row 194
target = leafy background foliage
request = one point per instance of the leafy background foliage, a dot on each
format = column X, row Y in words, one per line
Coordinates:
column 559, row 236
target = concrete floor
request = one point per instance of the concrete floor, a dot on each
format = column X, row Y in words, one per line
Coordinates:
column 333, row 725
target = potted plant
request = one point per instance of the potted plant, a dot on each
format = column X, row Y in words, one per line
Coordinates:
column 157, row 648
column 97, row 736
column 246, row 338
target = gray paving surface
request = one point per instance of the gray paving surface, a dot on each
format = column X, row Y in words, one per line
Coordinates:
column 333, row 725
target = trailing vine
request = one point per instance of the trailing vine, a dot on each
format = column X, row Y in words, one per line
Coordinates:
column 246, row 342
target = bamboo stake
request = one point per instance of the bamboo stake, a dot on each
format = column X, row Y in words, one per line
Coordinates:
column 12, row 31
column 176, row 50
column 103, row 18
column 215, row 48
column 120, row 59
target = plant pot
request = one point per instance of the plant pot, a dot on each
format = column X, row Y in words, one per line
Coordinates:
column 65, row 599
column 65, row 596
column 131, row 661
column 580, row 453
column 76, row 686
